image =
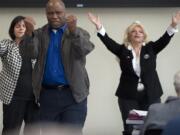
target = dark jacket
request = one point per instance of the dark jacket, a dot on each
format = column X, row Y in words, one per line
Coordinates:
column 74, row 49
column 128, row 81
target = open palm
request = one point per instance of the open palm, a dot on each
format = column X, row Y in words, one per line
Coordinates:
column 95, row 20
column 176, row 19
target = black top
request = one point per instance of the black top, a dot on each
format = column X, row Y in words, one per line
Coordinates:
column 129, row 80
column 24, row 88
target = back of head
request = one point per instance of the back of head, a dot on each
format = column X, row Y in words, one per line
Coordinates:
column 177, row 82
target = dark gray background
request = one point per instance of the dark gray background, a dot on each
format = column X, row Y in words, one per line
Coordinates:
column 94, row 3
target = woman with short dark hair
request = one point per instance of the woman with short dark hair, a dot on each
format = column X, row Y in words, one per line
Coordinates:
column 16, row 90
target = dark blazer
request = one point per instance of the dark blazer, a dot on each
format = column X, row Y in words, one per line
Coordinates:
column 75, row 48
column 128, row 81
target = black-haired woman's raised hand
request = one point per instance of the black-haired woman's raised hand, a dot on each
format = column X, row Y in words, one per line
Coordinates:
column 175, row 19
column 30, row 23
column 95, row 20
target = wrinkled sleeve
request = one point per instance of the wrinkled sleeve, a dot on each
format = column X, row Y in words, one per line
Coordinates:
column 80, row 41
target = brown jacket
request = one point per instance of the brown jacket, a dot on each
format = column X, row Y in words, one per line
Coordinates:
column 74, row 49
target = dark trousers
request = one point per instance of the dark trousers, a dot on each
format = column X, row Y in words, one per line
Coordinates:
column 15, row 113
column 126, row 105
column 57, row 106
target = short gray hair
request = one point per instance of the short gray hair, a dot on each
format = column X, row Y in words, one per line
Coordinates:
column 177, row 81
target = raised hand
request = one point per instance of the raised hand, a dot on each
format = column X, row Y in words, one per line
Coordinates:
column 71, row 21
column 175, row 19
column 95, row 20
column 30, row 23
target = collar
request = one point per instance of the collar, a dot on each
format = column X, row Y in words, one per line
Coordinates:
column 62, row 28
column 171, row 98
column 130, row 48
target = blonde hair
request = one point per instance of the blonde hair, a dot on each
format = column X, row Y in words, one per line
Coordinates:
column 129, row 29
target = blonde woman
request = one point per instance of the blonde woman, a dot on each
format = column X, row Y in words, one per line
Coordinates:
column 139, row 84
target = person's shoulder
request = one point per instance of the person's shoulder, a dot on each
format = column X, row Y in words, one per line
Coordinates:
column 149, row 44
column 80, row 29
column 7, row 41
column 156, row 107
column 41, row 29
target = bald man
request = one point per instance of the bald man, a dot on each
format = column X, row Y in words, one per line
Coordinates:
column 60, row 79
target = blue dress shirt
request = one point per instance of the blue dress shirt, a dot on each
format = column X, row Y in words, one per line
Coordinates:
column 54, row 71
